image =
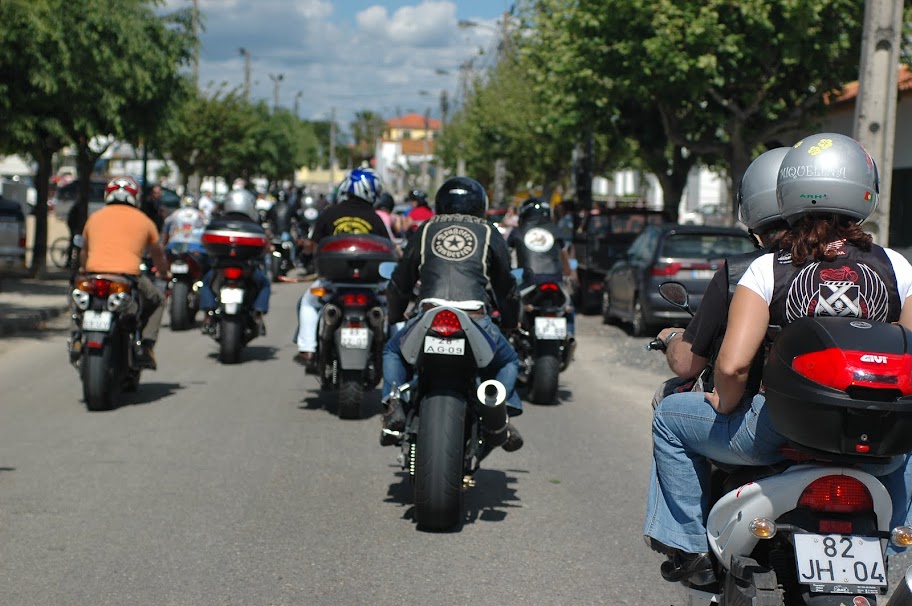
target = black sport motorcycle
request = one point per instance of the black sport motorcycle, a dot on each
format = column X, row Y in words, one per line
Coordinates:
column 104, row 348
column 542, row 342
column 187, row 271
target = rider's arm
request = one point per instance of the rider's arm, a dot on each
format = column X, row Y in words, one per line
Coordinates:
column 680, row 355
column 502, row 282
column 399, row 289
column 747, row 325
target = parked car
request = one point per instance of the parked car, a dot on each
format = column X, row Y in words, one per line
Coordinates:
column 12, row 235
column 705, row 214
column 689, row 254
column 66, row 196
column 603, row 236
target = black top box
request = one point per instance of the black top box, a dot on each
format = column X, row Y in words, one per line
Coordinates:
column 235, row 240
column 353, row 258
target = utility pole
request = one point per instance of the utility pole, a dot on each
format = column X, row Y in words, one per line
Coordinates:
column 332, row 148
column 875, row 107
column 500, row 164
column 246, row 54
column 195, row 22
column 297, row 103
column 427, row 149
column 276, row 81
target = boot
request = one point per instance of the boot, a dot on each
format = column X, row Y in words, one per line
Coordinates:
column 394, row 417
column 261, row 325
column 146, row 357
column 514, row 439
column 208, row 326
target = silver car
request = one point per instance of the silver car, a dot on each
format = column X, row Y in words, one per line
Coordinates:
column 12, row 235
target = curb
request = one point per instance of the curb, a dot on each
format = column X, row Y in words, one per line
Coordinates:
column 32, row 320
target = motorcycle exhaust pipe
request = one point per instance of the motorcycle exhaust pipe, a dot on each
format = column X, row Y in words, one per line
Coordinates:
column 903, row 594
column 375, row 317
column 332, row 314
column 492, row 394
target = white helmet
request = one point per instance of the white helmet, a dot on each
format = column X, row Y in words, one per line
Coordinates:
column 241, row 201
column 123, row 190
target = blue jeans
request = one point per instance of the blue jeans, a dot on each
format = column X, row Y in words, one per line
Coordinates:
column 504, row 366
column 686, row 431
column 208, row 300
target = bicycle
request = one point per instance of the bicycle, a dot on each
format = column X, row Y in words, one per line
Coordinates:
column 64, row 254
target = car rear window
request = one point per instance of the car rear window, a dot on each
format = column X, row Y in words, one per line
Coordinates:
column 705, row 246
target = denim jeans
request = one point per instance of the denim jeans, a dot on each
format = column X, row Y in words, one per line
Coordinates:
column 686, row 431
column 209, row 301
column 504, row 366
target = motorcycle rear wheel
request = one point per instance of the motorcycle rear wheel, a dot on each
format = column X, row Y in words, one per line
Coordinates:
column 351, row 394
column 543, row 389
column 439, row 461
column 231, row 341
column 100, row 385
column 181, row 317
column 275, row 267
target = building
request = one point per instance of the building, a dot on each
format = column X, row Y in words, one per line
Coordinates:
column 405, row 153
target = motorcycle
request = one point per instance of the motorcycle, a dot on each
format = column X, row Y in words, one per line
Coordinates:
column 187, row 271
column 107, row 310
column 352, row 326
column 812, row 529
column 542, row 343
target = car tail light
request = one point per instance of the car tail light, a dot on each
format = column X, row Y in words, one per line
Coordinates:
column 843, row 369
column 233, row 273
column 836, row 494
column 664, row 269
column 21, row 238
column 354, row 299
column 99, row 287
column 549, row 287
column 446, row 323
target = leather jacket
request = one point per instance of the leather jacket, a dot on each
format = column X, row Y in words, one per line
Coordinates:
column 456, row 258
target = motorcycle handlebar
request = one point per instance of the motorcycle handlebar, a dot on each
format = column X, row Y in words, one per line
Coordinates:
column 656, row 345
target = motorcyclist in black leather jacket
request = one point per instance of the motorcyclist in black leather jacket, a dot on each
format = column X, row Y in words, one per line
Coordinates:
column 462, row 261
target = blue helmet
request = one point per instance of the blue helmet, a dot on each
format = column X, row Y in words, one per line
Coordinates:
column 361, row 183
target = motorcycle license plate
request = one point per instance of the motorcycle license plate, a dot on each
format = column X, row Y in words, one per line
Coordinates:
column 445, row 347
column 231, row 298
column 551, row 328
column 353, row 338
column 99, row 321
column 840, row 563
column 180, row 268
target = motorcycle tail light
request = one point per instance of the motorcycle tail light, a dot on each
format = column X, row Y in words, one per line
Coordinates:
column 446, row 323
column 836, row 494
column 101, row 287
column 842, row 369
column 352, row 299
column 81, row 299
column 549, row 287
column 233, row 273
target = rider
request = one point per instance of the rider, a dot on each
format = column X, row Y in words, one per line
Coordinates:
column 185, row 226
column 280, row 216
column 455, row 271
column 688, row 351
column 541, row 251
column 420, row 211
column 827, row 185
column 114, row 239
column 355, row 214
column 384, row 207
column 238, row 214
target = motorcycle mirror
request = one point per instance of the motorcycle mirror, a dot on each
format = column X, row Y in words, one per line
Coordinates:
column 517, row 275
column 386, row 269
column 676, row 294
column 574, row 264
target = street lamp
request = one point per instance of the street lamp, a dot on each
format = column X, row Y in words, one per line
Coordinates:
column 276, row 80
column 298, row 96
column 246, row 54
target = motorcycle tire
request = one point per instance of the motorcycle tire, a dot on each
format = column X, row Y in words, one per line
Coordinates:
column 543, row 387
column 181, row 318
column 439, row 464
column 100, row 387
column 351, row 394
column 231, row 341
column 275, row 267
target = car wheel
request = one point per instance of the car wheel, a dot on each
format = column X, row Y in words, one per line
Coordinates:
column 607, row 318
column 639, row 326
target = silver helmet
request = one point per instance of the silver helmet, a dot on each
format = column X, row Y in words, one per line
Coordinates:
column 827, row 173
column 241, row 201
column 757, row 204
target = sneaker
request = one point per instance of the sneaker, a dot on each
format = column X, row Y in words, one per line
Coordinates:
column 514, row 439
column 146, row 357
column 74, row 345
column 394, row 417
column 304, row 358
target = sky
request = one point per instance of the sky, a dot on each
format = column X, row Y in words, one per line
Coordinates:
column 391, row 57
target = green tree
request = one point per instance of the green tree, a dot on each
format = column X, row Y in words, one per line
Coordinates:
column 366, row 128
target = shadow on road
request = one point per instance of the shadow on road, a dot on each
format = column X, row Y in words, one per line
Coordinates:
column 251, row 353
column 488, row 501
column 147, row 393
column 2, row 469
column 327, row 400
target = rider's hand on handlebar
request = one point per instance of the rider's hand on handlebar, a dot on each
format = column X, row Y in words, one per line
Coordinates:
column 666, row 332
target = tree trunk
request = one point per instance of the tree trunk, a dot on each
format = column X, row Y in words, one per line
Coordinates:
column 85, row 166
column 738, row 162
column 42, row 179
column 672, row 175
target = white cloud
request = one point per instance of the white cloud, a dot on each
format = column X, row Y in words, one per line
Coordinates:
column 427, row 24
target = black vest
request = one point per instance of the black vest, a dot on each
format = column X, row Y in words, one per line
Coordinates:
column 855, row 284
column 538, row 249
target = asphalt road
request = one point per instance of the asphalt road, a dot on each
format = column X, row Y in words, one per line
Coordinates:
column 236, row 485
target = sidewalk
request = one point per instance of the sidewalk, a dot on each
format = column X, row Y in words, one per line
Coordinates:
column 26, row 304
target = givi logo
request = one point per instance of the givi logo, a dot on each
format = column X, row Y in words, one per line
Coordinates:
column 874, row 359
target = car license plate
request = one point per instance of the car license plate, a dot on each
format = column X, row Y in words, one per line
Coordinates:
column 353, row 338
column 702, row 274
column 99, row 321
column 180, row 267
column 550, row 328
column 840, row 563
column 445, row 347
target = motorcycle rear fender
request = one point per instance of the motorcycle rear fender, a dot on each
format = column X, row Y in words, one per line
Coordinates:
column 412, row 345
column 97, row 337
column 728, row 521
column 353, row 359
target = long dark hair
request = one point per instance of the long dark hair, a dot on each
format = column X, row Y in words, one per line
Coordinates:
column 809, row 237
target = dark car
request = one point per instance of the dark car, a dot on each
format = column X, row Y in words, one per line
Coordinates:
column 689, row 254
column 12, row 235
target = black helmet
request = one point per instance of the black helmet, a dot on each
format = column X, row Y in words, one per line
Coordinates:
column 534, row 211
column 384, row 202
column 461, row 196
column 418, row 196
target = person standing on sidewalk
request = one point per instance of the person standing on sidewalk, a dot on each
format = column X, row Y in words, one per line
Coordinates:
column 115, row 238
